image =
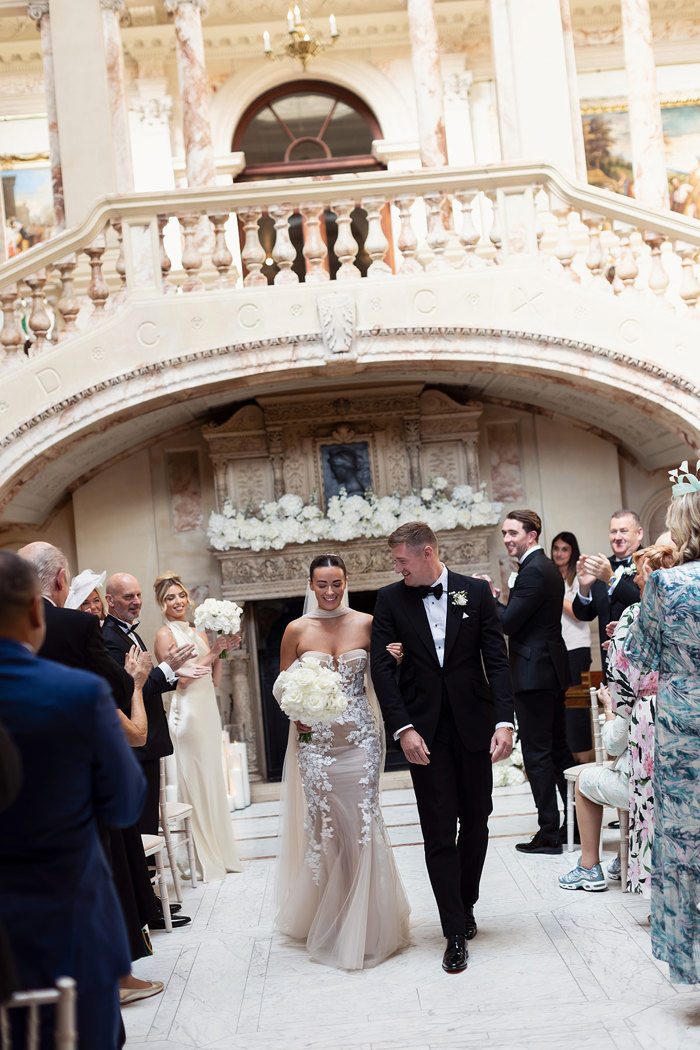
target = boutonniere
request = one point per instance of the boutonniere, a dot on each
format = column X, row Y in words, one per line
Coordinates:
column 459, row 600
column 629, row 570
column 511, row 580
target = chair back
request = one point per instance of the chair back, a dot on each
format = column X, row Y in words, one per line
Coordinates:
column 595, row 722
column 64, row 997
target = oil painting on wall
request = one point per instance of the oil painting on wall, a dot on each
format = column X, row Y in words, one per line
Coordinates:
column 28, row 206
column 606, row 136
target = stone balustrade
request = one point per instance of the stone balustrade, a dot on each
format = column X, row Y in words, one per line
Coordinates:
column 218, row 240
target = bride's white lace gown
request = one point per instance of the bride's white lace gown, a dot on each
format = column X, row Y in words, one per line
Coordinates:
column 338, row 886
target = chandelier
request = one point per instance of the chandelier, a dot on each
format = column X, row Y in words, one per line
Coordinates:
column 302, row 43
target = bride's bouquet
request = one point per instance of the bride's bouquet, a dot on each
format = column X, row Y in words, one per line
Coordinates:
column 312, row 694
column 220, row 617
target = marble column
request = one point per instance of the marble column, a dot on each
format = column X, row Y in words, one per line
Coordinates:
column 194, row 90
column 114, row 59
column 427, row 78
column 38, row 10
column 458, row 127
column 574, row 101
column 150, row 110
column 508, row 124
column 646, row 133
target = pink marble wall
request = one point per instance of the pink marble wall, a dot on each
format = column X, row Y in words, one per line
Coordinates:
column 185, row 486
column 504, row 457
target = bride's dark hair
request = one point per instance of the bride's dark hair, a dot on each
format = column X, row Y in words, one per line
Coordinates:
column 325, row 561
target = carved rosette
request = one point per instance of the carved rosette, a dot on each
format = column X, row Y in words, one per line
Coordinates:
column 256, row 575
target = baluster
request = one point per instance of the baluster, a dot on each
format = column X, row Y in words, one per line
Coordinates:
column 469, row 236
column 495, row 235
column 165, row 263
column 39, row 320
column 376, row 244
column 221, row 257
column 407, row 242
column 437, row 234
column 689, row 289
column 12, row 336
column 594, row 255
column 345, row 245
column 97, row 289
column 626, row 268
column 68, row 305
column 120, row 265
column 315, row 250
column 253, row 253
column 565, row 250
column 658, row 278
column 191, row 257
column 284, row 252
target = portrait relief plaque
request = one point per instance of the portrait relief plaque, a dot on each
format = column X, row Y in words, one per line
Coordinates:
column 345, row 466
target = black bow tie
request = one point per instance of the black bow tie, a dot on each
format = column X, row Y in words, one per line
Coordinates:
column 436, row 590
column 620, row 561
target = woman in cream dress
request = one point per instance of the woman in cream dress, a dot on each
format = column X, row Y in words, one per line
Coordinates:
column 338, row 887
column 195, row 728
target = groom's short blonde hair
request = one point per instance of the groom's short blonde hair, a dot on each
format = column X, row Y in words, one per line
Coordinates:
column 415, row 534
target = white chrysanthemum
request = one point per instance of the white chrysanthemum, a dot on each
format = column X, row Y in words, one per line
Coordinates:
column 440, row 483
column 290, row 505
column 427, row 494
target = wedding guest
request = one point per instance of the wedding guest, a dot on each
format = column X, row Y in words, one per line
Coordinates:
column 666, row 637
column 606, row 585
column 628, row 734
column 57, row 897
column 577, row 639
column 84, row 593
column 195, row 727
column 10, row 782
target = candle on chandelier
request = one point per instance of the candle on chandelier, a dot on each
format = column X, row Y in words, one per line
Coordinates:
column 266, row 42
column 297, row 15
column 290, row 20
column 333, row 25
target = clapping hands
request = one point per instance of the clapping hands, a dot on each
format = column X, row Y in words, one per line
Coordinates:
column 138, row 664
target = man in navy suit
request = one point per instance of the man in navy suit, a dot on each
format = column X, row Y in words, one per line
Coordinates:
column 57, row 898
column 540, row 668
column 450, row 722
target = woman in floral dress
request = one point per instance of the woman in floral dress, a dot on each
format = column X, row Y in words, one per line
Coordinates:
column 666, row 636
column 633, row 693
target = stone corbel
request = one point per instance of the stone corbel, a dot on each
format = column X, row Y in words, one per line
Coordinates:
column 220, row 482
column 471, row 449
column 411, row 425
column 276, row 453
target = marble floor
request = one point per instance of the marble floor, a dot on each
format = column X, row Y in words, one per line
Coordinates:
column 548, row 969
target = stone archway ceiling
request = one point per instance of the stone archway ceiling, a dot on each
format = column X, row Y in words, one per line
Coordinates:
column 640, row 438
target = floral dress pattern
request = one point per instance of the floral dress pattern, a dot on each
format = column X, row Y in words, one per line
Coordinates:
column 633, row 694
column 340, row 890
column 666, row 636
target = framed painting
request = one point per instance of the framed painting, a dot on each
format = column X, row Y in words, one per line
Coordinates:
column 28, row 201
column 606, row 136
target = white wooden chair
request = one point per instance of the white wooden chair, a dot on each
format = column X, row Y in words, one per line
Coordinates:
column 173, row 814
column 63, row 995
column 572, row 772
column 153, row 846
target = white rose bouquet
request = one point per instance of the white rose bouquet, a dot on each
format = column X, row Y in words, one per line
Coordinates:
column 312, row 694
column 221, row 617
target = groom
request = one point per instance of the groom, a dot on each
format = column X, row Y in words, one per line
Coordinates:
column 443, row 712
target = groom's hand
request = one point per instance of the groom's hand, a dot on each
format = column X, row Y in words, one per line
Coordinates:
column 414, row 747
column 501, row 744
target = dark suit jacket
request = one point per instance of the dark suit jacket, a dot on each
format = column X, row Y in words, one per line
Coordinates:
column 10, row 781
column 532, row 621
column 158, row 742
column 473, row 642
column 606, row 608
column 57, row 898
column 73, row 638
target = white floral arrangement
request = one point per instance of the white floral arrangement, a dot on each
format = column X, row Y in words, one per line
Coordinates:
column 274, row 525
column 311, row 693
column 509, row 771
column 220, row 617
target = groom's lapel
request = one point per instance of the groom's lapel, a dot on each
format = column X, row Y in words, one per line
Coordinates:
column 418, row 619
column 454, row 617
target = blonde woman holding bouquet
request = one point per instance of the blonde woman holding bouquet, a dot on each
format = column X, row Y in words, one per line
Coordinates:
column 338, row 886
column 195, row 729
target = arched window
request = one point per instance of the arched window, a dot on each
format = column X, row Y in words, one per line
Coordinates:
column 306, row 127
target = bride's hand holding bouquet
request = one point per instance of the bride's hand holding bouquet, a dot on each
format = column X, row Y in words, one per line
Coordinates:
column 311, row 695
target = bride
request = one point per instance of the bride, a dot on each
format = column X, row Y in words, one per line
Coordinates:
column 195, row 728
column 338, row 886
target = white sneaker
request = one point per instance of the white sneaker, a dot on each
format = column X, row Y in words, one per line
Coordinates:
column 615, row 870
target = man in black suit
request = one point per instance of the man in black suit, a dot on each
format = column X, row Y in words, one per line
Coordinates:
column 124, row 601
column 540, row 669
column 606, row 586
column 450, row 722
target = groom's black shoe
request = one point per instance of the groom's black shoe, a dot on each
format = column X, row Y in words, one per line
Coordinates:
column 471, row 924
column 539, row 844
column 455, row 958
column 177, row 920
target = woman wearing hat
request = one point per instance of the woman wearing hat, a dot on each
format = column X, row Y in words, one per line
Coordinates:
column 84, row 593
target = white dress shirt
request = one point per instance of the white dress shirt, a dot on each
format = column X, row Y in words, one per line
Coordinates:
column 436, row 611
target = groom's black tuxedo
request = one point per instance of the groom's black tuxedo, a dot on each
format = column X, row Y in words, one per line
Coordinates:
column 455, row 709
column 158, row 742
